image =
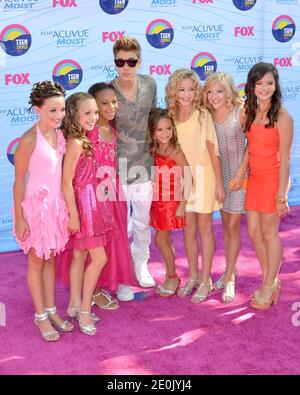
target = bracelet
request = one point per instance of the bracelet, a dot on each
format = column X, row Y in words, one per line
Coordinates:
column 280, row 200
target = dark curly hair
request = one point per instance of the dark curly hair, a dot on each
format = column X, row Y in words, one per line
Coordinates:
column 44, row 90
column 71, row 126
column 255, row 74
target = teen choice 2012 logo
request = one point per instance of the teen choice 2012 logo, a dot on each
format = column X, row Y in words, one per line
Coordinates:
column 204, row 64
column 159, row 33
column 11, row 149
column 113, row 6
column 244, row 5
column 283, row 28
column 15, row 40
column 241, row 90
column 68, row 73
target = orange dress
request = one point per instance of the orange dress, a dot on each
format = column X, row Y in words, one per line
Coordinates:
column 166, row 194
column 264, row 162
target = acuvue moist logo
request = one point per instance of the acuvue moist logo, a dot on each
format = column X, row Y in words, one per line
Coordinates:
column 204, row 64
column 113, row 6
column 244, row 5
column 11, row 149
column 159, row 33
column 283, row 28
column 15, row 40
column 68, row 73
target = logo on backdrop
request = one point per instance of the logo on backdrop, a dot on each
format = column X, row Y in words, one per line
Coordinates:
column 17, row 79
column 244, row 5
column 160, row 69
column 203, row 1
column 15, row 40
column 163, row 3
column 18, row 5
column 290, row 92
column 68, row 73
column 11, row 149
column 64, row 3
column 283, row 28
column 19, row 115
column 113, row 6
column 242, row 63
column 205, row 32
column 283, row 62
column 241, row 90
column 204, row 64
column 159, row 33
column 112, row 36
column 105, row 72
column 68, row 38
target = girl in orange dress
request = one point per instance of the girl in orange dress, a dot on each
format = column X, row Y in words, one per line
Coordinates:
column 269, row 131
column 168, row 205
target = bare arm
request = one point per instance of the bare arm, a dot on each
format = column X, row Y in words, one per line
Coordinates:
column 216, row 164
column 180, row 159
column 21, row 159
column 285, row 128
column 74, row 148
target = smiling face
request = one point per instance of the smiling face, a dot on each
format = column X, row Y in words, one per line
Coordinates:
column 163, row 132
column 52, row 112
column 217, row 96
column 127, row 73
column 265, row 87
column 88, row 114
column 186, row 92
column 107, row 104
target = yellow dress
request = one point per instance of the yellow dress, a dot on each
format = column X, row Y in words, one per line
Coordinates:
column 192, row 136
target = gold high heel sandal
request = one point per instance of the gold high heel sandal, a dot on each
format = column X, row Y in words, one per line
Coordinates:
column 228, row 293
column 51, row 336
column 189, row 286
column 66, row 326
column 261, row 302
column 165, row 292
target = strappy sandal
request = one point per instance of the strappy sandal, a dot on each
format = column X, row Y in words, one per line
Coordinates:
column 51, row 336
column 88, row 329
column 202, row 293
column 111, row 304
column 66, row 326
column 72, row 312
column 228, row 293
column 165, row 292
column 188, row 287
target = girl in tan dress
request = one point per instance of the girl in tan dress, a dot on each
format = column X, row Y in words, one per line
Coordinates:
column 197, row 138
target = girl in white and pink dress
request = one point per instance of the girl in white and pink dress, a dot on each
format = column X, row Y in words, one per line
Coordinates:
column 40, row 212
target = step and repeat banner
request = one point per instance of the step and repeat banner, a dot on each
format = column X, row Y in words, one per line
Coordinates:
column 70, row 41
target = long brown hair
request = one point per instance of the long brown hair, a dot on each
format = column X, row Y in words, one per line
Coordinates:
column 71, row 126
column 255, row 74
column 155, row 116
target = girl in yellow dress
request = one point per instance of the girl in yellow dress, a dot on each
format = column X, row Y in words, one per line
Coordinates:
column 197, row 138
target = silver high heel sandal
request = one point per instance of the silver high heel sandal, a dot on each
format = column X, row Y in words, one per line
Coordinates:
column 219, row 284
column 228, row 293
column 89, row 329
column 188, row 287
column 66, row 326
column 202, row 293
column 51, row 336
column 72, row 312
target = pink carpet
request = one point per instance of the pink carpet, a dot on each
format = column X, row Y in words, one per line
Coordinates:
column 164, row 336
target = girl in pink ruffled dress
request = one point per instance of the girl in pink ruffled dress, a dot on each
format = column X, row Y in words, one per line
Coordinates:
column 92, row 224
column 40, row 212
column 119, row 269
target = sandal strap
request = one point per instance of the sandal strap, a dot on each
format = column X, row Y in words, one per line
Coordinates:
column 40, row 317
column 51, row 310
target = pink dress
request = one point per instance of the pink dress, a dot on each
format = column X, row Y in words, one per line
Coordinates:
column 119, row 267
column 44, row 207
column 97, row 223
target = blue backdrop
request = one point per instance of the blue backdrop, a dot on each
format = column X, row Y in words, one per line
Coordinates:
column 71, row 41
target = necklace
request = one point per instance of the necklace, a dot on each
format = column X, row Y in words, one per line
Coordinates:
column 262, row 112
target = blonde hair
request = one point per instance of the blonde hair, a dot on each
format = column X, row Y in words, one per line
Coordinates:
column 127, row 43
column 155, row 116
column 71, row 126
column 172, row 87
column 227, row 82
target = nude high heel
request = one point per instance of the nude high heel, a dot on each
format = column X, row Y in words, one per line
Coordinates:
column 263, row 303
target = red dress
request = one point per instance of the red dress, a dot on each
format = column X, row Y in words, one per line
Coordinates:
column 264, row 162
column 166, row 195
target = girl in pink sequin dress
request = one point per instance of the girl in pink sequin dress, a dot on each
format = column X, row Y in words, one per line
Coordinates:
column 91, row 224
column 119, row 269
column 40, row 212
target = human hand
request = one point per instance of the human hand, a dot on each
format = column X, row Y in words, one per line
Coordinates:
column 21, row 229
column 220, row 193
column 180, row 212
column 74, row 224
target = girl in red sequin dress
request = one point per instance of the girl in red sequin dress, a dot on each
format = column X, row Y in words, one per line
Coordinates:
column 168, row 204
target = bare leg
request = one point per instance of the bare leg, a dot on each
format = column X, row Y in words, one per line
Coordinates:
column 208, row 245
column 232, row 227
column 76, row 278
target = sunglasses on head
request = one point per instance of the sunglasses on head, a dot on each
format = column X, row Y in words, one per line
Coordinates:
column 121, row 62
